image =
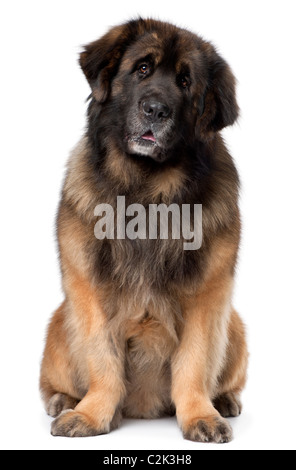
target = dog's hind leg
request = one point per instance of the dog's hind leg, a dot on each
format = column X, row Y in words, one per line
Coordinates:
column 233, row 377
column 56, row 381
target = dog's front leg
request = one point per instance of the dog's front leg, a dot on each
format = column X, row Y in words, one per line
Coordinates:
column 96, row 359
column 99, row 411
column 198, row 361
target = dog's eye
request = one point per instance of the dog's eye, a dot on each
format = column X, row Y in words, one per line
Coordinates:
column 143, row 69
column 184, row 81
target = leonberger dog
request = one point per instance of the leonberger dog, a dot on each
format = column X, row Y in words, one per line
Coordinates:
column 147, row 328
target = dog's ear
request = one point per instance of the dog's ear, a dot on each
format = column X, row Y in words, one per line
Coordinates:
column 219, row 106
column 100, row 59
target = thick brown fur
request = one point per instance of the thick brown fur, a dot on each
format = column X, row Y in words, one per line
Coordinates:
column 146, row 328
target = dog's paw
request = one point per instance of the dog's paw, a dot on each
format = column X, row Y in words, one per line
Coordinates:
column 60, row 402
column 209, row 429
column 228, row 405
column 74, row 424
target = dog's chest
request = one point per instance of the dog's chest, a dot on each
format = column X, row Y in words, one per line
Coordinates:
column 155, row 264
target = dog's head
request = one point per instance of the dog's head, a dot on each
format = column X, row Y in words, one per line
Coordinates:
column 163, row 86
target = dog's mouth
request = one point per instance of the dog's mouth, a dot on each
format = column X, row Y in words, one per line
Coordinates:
column 148, row 137
column 152, row 142
column 146, row 145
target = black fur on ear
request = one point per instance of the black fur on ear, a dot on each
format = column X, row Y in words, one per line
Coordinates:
column 100, row 59
column 220, row 108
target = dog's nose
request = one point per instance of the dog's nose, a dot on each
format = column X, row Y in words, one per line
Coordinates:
column 155, row 110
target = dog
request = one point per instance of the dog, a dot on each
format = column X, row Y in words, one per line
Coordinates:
column 147, row 328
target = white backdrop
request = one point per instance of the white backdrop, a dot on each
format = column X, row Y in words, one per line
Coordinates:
column 42, row 106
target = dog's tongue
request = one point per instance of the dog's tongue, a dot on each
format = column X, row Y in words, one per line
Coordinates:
column 149, row 136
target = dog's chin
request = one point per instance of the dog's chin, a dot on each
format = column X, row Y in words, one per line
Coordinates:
column 146, row 148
